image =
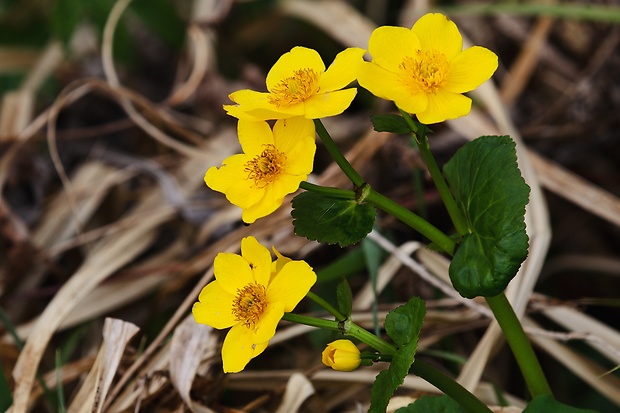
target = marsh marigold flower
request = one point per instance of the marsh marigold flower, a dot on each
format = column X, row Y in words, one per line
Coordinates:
column 272, row 166
column 299, row 85
column 249, row 299
column 425, row 70
column 341, row 355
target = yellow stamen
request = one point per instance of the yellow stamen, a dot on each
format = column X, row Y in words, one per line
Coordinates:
column 249, row 305
column 265, row 168
column 427, row 71
column 295, row 89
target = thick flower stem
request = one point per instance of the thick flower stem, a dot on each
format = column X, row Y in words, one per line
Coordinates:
column 446, row 196
column 327, row 306
column 328, row 191
column 424, row 370
column 414, row 221
column 420, row 368
column 312, row 321
column 520, row 345
column 450, row 387
column 337, row 156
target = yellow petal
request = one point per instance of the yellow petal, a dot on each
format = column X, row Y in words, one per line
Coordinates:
column 253, row 136
column 291, row 284
column 288, row 132
column 298, row 58
column 259, row 348
column 273, row 112
column 327, row 104
column 444, row 105
column 217, row 179
column 280, row 261
column 237, row 112
column 470, row 69
column 266, row 326
column 259, row 259
column 390, row 45
column 215, row 307
column 265, row 206
column 249, row 98
column 437, row 32
column 232, row 180
column 232, row 272
column 390, row 86
column 286, row 184
column 341, row 355
column 300, row 160
column 343, row 70
column 238, row 348
column 412, row 102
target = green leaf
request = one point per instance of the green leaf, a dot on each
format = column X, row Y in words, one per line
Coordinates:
column 344, row 297
column 435, row 404
column 403, row 325
column 492, row 194
column 391, row 123
column 331, row 220
column 546, row 404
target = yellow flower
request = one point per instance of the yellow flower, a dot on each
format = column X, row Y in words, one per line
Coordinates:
column 425, row 70
column 272, row 166
column 245, row 297
column 341, row 355
column 299, row 85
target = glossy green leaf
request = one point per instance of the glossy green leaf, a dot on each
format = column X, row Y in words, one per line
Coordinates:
column 331, row 220
column 435, row 404
column 492, row 194
column 403, row 325
column 344, row 297
column 546, row 404
column 391, row 123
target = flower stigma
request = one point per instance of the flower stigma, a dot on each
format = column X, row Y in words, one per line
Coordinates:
column 295, row 89
column 249, row 304
column 427, row 72
column 265, row 168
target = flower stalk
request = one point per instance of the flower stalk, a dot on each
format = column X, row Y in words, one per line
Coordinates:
column 419, row 368
column 520, row 345
column 337, row 155
column 460, row 224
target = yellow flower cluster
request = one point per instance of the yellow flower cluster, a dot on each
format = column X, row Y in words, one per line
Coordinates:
column 423, row 70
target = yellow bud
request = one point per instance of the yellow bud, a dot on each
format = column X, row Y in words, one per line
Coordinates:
column 341, row 355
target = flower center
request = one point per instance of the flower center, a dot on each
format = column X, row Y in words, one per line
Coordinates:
column 249, row 304
column 427, row 71
column 266, row 167
column 295, row 89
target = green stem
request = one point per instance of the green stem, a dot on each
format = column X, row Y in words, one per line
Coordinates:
column 312, row 321
column 450, row 387
column 386, row 204
column 414, row 221
column 420, row 368
column 424, row 370
column 327, row 306
column 337, row 156
column 520, row 345
column 446, row 196
column 382, row 346
column 328, row 191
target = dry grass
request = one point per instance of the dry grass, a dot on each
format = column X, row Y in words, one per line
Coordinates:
column 116, row 249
